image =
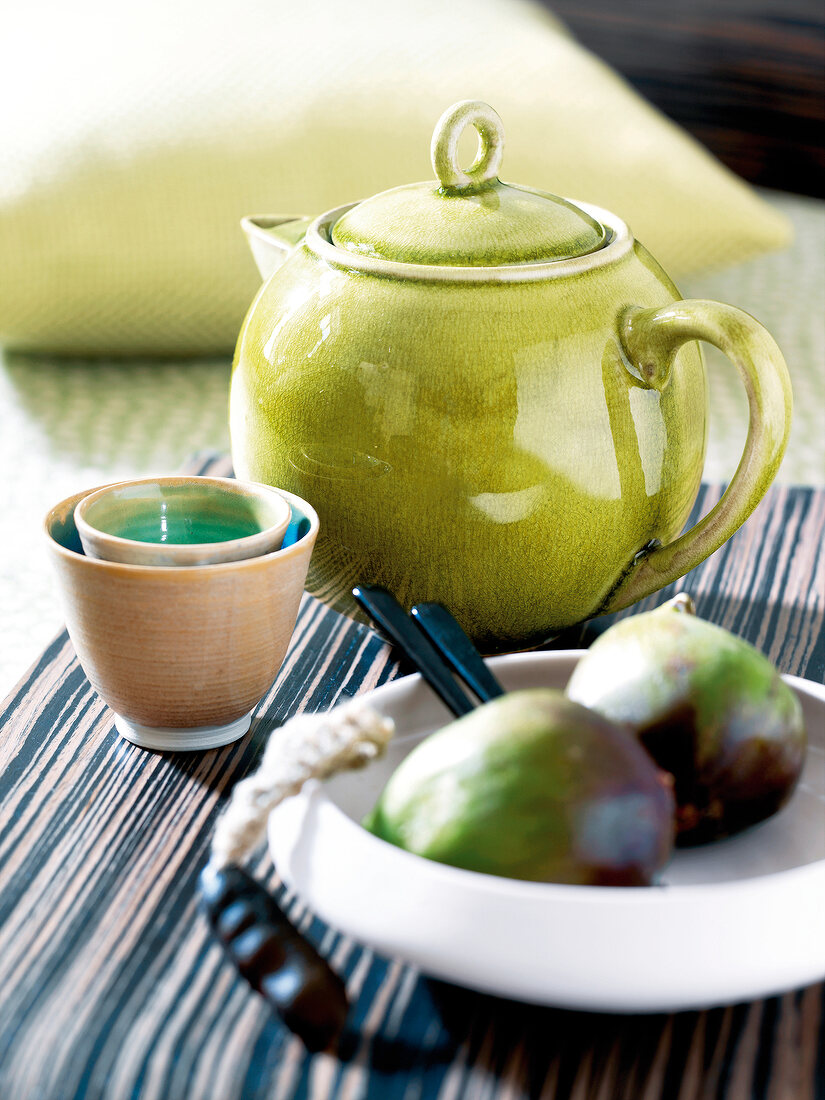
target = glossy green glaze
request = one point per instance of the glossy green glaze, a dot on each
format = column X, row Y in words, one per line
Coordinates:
column 466, row 444
column 498, row 224
column 182, row 512
column 167, row 525
column 504, row 439
column 467, row 219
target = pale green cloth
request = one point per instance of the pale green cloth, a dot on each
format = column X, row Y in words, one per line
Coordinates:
column 134, row 137
column 786, row 292
column 68, row 426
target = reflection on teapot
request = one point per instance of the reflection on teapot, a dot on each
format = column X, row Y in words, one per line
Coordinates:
column 494, row 398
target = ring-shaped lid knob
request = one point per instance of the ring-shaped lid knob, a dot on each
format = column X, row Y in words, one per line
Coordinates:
column 444, row 147
column 468, row 217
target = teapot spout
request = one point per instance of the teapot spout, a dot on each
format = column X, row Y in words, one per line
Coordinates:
column 272, row 237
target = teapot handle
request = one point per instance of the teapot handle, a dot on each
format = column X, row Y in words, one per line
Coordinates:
column 651, row 338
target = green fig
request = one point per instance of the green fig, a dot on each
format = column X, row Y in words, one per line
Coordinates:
column 532, row 786
column 708, row 707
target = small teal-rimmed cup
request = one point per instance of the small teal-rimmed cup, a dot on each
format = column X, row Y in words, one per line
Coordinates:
column 181, row 521
column 182, row 656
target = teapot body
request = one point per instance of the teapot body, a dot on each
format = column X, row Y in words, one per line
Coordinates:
column 487, row 444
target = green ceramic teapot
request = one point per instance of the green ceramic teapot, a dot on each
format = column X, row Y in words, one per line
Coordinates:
column 494, row 398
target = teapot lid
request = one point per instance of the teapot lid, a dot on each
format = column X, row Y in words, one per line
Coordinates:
column 468, row 218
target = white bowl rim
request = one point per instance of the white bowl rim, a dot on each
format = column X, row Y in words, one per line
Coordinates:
column 516, row 889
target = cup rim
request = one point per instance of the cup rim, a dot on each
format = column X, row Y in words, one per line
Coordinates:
column 65, row 508
column 180, row 553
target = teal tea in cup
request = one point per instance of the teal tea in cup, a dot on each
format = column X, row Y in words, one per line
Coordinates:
column 178, row 521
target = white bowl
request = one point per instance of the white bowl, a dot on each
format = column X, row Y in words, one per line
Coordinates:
column 733, row 921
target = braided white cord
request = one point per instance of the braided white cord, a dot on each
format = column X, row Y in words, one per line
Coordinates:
column 309, row 746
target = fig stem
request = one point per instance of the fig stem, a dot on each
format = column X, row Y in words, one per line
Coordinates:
column 682, row 602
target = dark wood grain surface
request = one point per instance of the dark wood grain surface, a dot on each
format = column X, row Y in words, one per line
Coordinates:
column 746, row 77
column 111, row 988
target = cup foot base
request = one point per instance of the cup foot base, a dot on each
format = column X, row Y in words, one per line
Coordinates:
column 160, row 739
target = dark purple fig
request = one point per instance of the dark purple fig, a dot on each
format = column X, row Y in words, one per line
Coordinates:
column 709, row 708
column 532, row 786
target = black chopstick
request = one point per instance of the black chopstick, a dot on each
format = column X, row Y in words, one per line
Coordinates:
column 390, row 616
column 449, row 638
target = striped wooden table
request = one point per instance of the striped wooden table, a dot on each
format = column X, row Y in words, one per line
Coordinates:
column 110, row 986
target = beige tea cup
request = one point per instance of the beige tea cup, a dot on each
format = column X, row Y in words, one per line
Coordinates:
column 181, row 655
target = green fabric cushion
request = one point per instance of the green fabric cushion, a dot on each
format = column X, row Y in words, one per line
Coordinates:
column 135, row 137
